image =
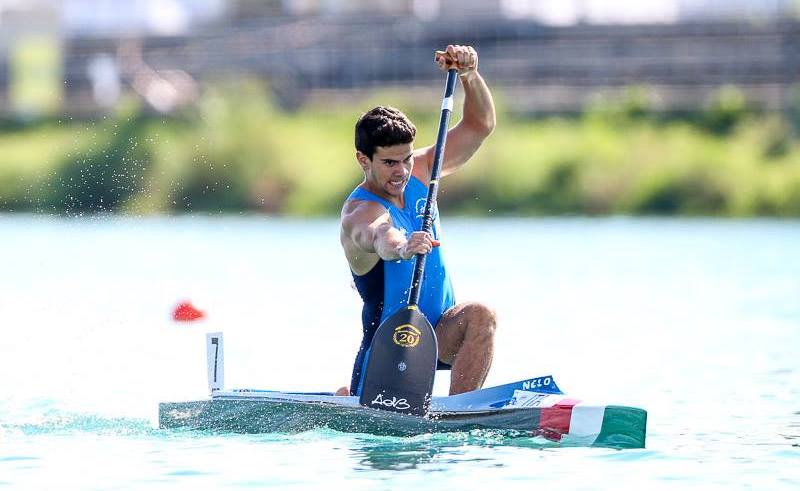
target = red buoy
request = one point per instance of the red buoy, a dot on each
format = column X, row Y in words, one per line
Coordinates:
column 186, row 312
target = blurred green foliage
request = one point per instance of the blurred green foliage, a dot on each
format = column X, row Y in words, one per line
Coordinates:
column 235, row 151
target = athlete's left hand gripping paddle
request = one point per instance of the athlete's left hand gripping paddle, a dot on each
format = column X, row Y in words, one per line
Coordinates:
column 401, row 362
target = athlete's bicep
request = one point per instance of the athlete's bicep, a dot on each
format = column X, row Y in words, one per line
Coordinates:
column 462, row 143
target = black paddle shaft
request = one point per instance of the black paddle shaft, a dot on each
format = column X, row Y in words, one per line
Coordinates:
column 433, row 187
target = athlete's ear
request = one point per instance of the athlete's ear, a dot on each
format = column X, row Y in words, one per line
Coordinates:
column 363, row 160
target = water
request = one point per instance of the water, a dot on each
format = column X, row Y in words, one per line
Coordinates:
column 697, row 321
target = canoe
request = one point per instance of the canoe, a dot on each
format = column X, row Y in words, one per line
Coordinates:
column 534, row 407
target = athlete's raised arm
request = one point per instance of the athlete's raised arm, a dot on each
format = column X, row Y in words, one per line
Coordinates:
column 478, row 120
column 367, row 234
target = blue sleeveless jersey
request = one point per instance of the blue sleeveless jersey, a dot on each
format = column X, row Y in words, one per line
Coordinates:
column 385, row 287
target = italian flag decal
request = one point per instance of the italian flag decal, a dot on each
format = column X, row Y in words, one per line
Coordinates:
column 576, row 422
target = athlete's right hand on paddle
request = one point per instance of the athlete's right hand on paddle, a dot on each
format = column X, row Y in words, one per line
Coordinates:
column 417, row 243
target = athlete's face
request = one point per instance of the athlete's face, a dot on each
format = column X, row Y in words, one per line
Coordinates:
column 389, row 168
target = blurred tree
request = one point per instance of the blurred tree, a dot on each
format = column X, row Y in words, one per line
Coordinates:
column 725, row 109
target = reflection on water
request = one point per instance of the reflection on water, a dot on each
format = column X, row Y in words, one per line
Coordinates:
column 439, row 450
column 397, row 455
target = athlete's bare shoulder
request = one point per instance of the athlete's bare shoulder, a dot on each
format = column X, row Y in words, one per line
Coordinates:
column 360, row 213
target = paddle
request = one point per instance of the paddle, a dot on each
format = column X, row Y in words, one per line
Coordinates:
column 401, row 362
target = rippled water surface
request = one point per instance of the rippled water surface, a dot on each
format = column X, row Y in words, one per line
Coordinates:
column 697, row 321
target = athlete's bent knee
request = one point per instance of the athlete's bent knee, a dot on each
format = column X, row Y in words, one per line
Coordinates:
column 483, row 323
column 484, row 315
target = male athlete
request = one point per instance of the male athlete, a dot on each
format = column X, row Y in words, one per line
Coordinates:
column 382, row 217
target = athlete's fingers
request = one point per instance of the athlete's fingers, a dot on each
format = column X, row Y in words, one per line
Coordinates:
column 425, row 246
column 471, row 57
column 419, row 243
column 456, row 55
column 431, row 240
column 452, row 54
column 410, row 248
column 419, row 249
column 420, row 236
column 445, row 60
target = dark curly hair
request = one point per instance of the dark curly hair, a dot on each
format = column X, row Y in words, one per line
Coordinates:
column 383, row 127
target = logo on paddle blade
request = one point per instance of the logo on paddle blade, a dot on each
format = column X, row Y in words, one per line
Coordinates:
column 406, row 336
column 394, row 402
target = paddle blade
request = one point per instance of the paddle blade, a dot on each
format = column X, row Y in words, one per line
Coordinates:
column 401, row 364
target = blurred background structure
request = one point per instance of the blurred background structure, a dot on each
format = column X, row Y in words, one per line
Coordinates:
column 82, row 60
column 77, row 56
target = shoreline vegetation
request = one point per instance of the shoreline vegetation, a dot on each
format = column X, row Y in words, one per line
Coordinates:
column 237, row 152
